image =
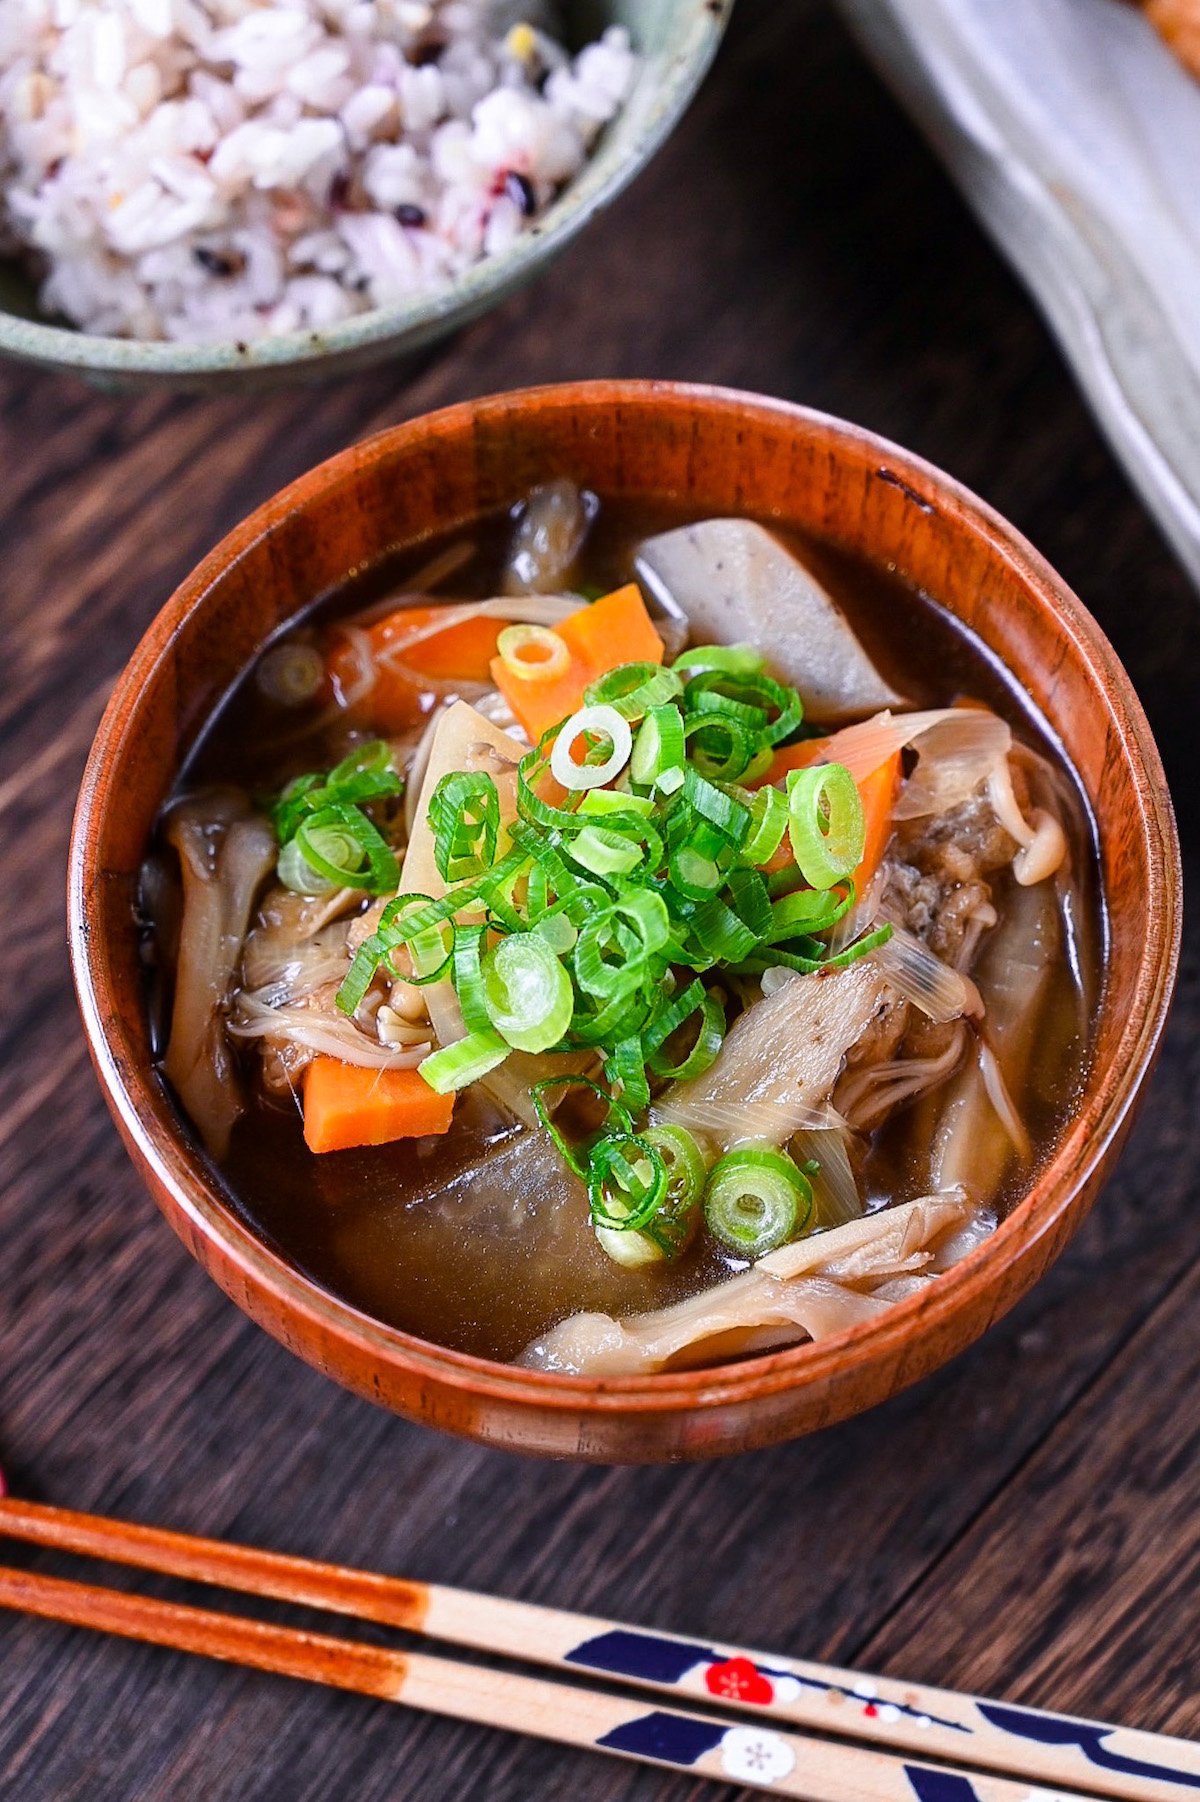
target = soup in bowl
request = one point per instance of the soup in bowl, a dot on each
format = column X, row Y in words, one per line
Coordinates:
column 615, row 919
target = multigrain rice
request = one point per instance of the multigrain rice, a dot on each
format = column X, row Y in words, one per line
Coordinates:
column 226, row 169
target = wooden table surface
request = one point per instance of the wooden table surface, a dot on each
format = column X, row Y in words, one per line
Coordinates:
column 1024, row 1523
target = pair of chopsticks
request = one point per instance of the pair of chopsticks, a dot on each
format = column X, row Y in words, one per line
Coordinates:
column 870, row 1739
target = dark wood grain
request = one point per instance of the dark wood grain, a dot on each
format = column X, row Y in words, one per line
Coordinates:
column 1025, row 1520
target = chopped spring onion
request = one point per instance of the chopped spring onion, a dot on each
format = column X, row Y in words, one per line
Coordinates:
column 609, row 800
column 759, row 766
column 709, row 1037
column 468, row 979
column 826, row 823
column 659, row 749
column 757, row 1199
column 601, row 723
column 614, row 949
column 527, row 992
column 617, row 1116
column 557, row 928
column 768, row 823
column 343, row 847
column 680, row 1211
column 326, row 839
column 605, row 852
column 533, row 808
column 454, row 1066
column 694, row 874
column 700, row 699
column 673, row 1224
column 464, row 812
column 291, row 673
column 634, row 689
column 625, row 1070
column 596, row 925
column 722, row 747
column 730, row 818
column 730, row 659
column 808, row 911
column 756, row 693
column 533, row 653
column 627, row 1182
column 295, row 872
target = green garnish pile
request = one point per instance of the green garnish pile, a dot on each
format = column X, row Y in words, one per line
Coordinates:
column 640, row 867
column 326, row 839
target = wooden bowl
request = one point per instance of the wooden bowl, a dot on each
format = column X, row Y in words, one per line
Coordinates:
column 719, row 453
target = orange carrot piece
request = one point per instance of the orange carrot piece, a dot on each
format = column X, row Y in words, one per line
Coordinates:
column 878, row 791
column 460, row 652
column 541, row 704
column 346, row 1105
column 615, row 629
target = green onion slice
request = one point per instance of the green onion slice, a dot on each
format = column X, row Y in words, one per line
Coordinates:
column 693, row 874
column 678, row 1219
column 729, row 659
column 826, row 823
column 531, row 806
column 367, row 774
column 709, row 1036
column 606, row 852
column 598, row 802
column 612, row 956
column 626, row 1181
column 295, row 872
column 625, row 1070
column 527, row 992
column 464, row 812
column 768, row 823
column 721, row 747
column 730, row 818
column 341, row 844
column 591, row 722
column 809, row 911
column 757, row 1199
column 659, row 748
column 617, row 1116
column 454, row 1066
column 634, row 689
column 533, row 653
column 468, row 978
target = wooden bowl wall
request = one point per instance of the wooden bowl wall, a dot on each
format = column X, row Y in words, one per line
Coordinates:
column 717, row 452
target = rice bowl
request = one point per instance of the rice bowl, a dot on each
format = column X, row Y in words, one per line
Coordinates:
column 268, row 188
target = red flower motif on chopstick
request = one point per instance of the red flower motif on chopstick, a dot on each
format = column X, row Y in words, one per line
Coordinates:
column 738, row 1680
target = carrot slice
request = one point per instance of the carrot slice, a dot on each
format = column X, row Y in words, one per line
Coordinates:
column 615, row 629
column 461, row 652
column 541, row 704
column 878, row 791
column 346, row 1105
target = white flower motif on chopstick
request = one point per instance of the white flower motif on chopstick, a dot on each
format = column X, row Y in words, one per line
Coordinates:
column 753, row 1755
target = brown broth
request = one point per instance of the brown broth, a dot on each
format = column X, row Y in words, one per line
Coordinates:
column 407, row 1233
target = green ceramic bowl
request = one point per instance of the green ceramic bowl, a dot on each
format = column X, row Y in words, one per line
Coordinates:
column 676, row 40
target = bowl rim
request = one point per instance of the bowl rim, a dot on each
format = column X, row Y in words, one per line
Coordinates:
column 410, row 323
column 1110, row 1092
